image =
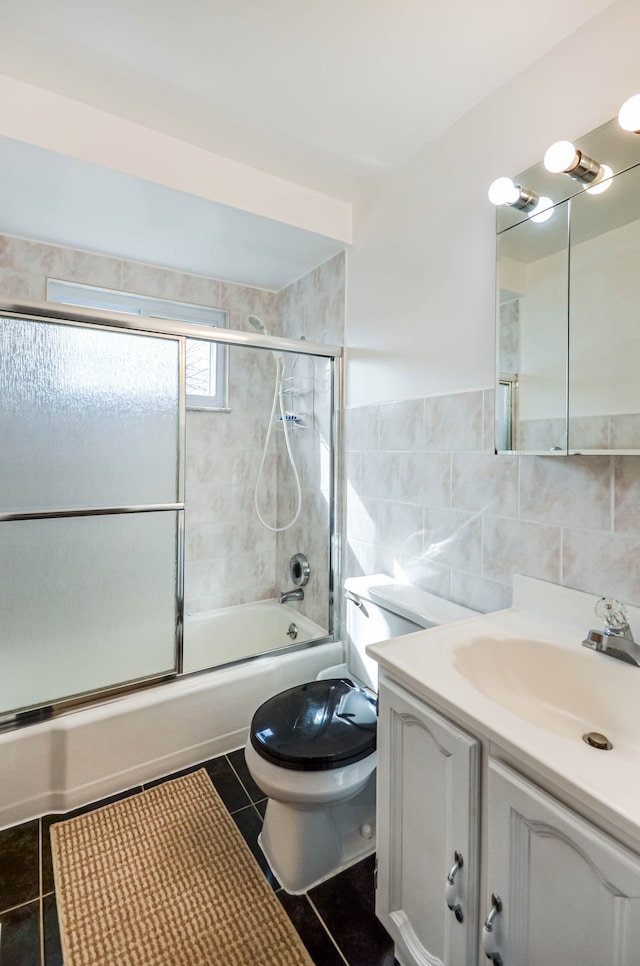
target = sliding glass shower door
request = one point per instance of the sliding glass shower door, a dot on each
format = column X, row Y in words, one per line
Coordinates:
column 90, row 509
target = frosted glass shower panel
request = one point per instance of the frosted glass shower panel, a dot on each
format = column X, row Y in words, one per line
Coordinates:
column 87, row 603
column 88, row 417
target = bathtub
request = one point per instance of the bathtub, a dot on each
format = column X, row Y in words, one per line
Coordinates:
column 87, row 754
column 218, row 637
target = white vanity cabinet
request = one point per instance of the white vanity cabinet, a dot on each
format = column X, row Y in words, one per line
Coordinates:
column 427, row 832
column 569, row 893
column 566, row 894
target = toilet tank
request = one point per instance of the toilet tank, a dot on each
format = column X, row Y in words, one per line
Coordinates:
column 378, row 608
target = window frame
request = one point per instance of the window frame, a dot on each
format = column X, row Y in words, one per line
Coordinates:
column 130, row 303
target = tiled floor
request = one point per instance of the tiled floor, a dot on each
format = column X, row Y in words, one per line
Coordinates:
column 335, row 920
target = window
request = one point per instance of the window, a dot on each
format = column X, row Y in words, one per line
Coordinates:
column 207, row 383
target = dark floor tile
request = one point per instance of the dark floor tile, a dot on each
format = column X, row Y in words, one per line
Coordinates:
column 346, row 904
column 52, row 948
column 250, row 826
column 19, row 879
column 49, row 820
column 227, row 784
column 20, row 936
column 310, row 929
column 261, row 806
column 170, row 777
column 238, row 761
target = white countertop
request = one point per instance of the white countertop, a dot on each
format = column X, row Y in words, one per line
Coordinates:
column 539, row 714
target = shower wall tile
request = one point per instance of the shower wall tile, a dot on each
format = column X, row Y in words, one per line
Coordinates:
column 18, row 285
column 179, row 286
column 573, row 520
column 313, row 308
column 89, row 268
column 242, row 301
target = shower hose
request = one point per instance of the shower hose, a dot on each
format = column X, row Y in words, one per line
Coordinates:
column 278, row 400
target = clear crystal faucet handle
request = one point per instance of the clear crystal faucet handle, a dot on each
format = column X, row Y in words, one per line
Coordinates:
column 612, row 613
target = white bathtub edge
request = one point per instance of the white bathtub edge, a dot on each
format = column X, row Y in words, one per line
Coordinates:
column 88, row 755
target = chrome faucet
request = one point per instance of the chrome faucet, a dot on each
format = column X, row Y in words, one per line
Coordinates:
column 616, row 639
column 287, row 595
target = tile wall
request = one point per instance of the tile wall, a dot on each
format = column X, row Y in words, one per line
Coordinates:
column 311, row 308
column 428, row 500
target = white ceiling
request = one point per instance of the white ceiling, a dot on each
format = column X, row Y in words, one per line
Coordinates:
column 330, row 95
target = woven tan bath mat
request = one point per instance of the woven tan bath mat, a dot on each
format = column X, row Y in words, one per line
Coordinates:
column 164, row 878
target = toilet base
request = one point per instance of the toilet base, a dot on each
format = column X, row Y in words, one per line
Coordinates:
column 306, row 845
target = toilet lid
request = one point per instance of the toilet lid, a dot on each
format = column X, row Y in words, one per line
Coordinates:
column 316, row 726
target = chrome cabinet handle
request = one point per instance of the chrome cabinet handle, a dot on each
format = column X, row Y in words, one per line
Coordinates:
column 450, row 891
column 488, row 938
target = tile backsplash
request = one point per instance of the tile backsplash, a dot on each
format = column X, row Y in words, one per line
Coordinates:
column 428, row 500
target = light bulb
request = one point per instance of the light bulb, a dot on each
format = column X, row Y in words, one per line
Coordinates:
column 629, row 114
column 543, row 210
column 602, row 182
column 561, row 156
column 503, row 192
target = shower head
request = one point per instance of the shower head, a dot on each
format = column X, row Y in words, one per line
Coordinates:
column 258, row 324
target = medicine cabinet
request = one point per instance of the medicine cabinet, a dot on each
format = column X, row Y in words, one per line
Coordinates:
column 568, row 310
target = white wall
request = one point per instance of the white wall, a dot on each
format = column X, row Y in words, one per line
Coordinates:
column 420, row 284
column 40, row 117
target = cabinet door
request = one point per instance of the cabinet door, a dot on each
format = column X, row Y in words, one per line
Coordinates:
column 427, row 810
column 570, row 894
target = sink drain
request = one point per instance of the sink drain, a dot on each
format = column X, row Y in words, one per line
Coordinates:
column 596, row 740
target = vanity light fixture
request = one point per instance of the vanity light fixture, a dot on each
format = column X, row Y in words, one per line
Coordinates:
column 504, row 191
column 629, row 114
column 563, row 157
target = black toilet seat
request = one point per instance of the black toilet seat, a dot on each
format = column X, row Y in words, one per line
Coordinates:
column 316, row 726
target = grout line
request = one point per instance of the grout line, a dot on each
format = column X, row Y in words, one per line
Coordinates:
column 20, row 905
column 326, row 928
column 41, row 889
column 244, row 788
column 41, row 931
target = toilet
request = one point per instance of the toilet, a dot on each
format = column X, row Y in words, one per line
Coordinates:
column 312, row 748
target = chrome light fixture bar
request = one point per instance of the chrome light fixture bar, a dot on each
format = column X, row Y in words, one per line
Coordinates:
column 564, row 158
column 504, row 191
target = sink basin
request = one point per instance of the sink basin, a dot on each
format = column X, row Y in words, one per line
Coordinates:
column 562, row 690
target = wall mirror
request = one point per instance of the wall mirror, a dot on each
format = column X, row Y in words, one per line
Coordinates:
column 568, row 310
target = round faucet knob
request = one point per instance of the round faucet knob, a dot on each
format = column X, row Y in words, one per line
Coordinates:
column 612, row 613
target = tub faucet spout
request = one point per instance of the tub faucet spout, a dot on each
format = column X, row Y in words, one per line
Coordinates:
column 287, row 595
